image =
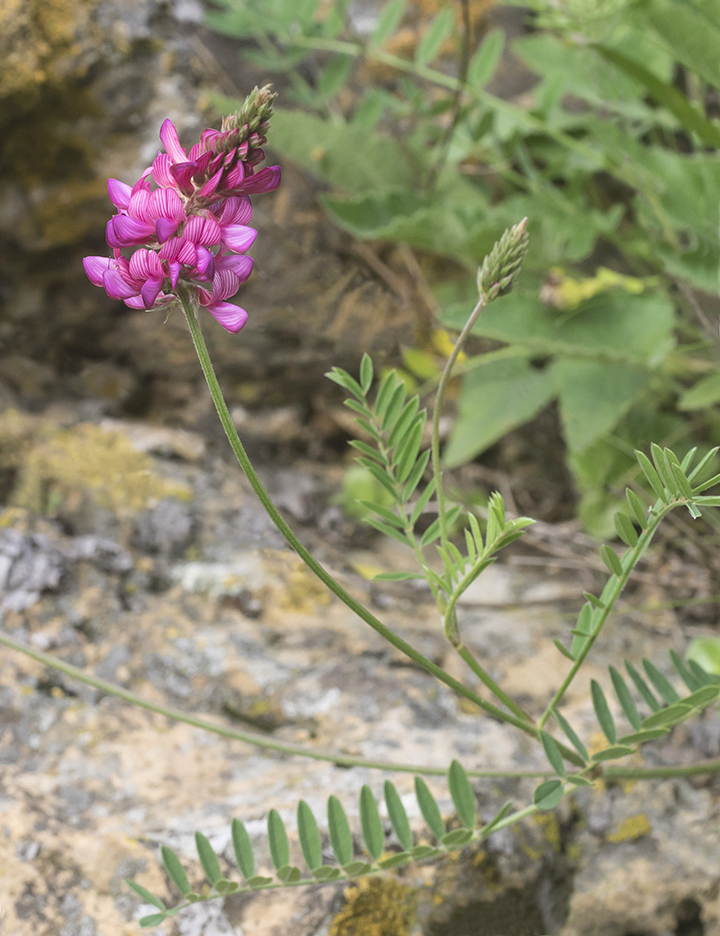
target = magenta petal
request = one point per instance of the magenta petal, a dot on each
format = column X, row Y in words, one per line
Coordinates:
column 236, row 210
column 95, row 268
column 205, row 263
column 205, row 231
column 267, row 180
column 145, row 263
column 150, row 291
column 211, row 184
column 233, row 180
column 231, row 317
column 128, row 232
column 174, row 273
column 161, row 171
column 139, row 206
column 166, row 203
column 225, row 285
column 171, row 142
column 241, row 267
column 116, row 287
column 238, row 237
column 136, row 302
column 119, row 193
column 183, row 173
column 165, row 228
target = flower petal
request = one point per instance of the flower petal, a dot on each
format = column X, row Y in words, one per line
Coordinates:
column 238, row 237
column 171, row 142
column 119, row 193
column 241, row 267
column 95, row 268
column 205, row 231
column 231, row 317
column 161, row 171
column 118, row 288
column 267, row 180
column 165, row 228
column 150, row 290
column 122, row 231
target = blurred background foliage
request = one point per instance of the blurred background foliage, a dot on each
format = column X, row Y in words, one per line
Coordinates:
column 596, row 119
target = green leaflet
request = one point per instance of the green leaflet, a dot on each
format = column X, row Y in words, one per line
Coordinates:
column 207, row 857
column 339, row 829
column 462, row 794
column 398, row 816
column 429, row 808
column 602, row 711
column 277, row 838
column 175, row 869
column 309, row 836
column 371, row 823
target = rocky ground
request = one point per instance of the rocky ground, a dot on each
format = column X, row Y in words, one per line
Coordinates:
column 180, row 590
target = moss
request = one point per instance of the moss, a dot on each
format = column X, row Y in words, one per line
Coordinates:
column 634, row 827
column 85, row 461
column 375, row 907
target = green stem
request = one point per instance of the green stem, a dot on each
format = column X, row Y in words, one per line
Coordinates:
column 303, row 553
column 611, row 593
column 485, row 678
column 247, row 737
column 660, row 773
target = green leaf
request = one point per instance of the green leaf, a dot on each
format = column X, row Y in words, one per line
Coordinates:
column 385, row 392
column 653, row 477
column 702, row 464
column 398, row 816
column 625, row 529
column 424, row 851
column 394, row 861
column 368, row 450
column 642, row 687
column 309, row 836
column 223, row 886
column 626, row 700
column 661, row 684
column 357, row 867
column 552, row 752
column 434, row 36
column 429, row 808
column 379, row 474
column 339, row 829
column 495, row 398
column 397, row 576
column 259, row 881
column 462, row 794
column 407, row 452
column 175, row 869
column 390, row 16
column 386, row 514
column 289, row 874
column 640, row 737
column 611, row 559
column 637, row 508
column 456, row 837
column 702, row 697
column 422, row 502
column 498, row 817
column 701, row 395
column 372, row 828
column 394, row 407
column 565, row 652
column 613, row 752
column 207, row 857
column 483, row 64
column 325, row 873
column 278, row 840
column 404, row 422
column 699, row 673
column 154, row 919
column 658, row 457
column 341, row 377
column 146, row 895
column 385, row 528
column 243, row 849
column 548, row 794
column 666, row 95
column 571, row 736
column 691, row 30
column 602, row 711
column 687, row 677
column 667, row 716
column 335, row 75
column 415, row 476
column 366, row 372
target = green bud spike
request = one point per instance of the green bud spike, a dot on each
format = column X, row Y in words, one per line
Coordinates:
column 499, row 269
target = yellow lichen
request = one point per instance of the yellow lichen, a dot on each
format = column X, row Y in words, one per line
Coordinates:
column 375, row 907
column 551, row 828
column 88, row 462
column 302, row 591
column 634, row 827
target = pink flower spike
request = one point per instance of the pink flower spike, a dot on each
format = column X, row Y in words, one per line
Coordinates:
column 171, row 142
column 119, row 193
column 238, row 237
column 182, row 173
column 267, row 180
column 165, row 228
column 118, row 288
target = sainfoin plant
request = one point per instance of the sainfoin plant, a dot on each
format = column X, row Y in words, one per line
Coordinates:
column 179, row 239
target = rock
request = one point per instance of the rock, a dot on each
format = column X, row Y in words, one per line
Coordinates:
column 29, row 565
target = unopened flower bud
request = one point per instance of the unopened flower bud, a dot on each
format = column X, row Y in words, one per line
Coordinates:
column 499, row 269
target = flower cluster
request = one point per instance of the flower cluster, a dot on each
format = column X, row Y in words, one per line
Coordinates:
column 184, row 224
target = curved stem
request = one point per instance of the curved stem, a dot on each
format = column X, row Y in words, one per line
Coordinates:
column 309, row 560
column 246, row 736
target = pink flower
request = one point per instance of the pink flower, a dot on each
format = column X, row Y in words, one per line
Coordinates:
column 190, row 232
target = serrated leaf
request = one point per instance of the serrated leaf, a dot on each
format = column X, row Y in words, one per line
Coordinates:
column 404, row 421
column 668, row 716
column 640, row 737
column 613, row 752
column 388, row 21
column 175, row 869
column 602, row 711
column 243, row 849
column 278, row 840
column 625, row 529
column 415, row 476
column 370, row 822
column 462, row 794
column 483, row 64
column 208, row 858
column 548, row 794
column 429, row 808
column 665, row 689
column 638, row 511
column 434, row 37
column 339, row 830
column 611, row 559
column 652, row 475
column 571, row 736
column 309, row 836
column 552, row 752
column 624, row 698
column 146, row 895
column 366, row 372
column 642, row 687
